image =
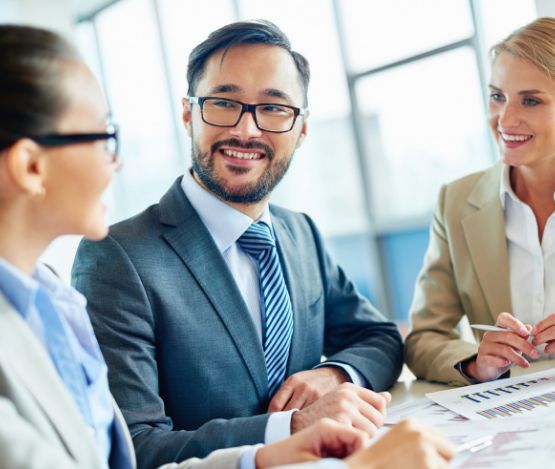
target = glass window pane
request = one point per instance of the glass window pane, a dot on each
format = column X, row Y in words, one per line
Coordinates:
column 423, row 125
column 501, row 17
column 139, row 98
column 324, row 179
column 182, row 33
column 317, row 40
column 383, row 32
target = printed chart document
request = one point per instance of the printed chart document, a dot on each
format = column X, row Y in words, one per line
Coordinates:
column 514, row 444
column 531, row 395
column 424, row 411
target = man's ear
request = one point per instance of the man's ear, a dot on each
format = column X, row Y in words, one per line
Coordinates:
column 187, row 116
column 304, row 130
column 24, row 167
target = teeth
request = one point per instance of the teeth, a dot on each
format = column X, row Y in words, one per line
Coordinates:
column 241, row 155
column 515, row 138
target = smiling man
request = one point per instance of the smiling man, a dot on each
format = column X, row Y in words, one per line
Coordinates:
column 213, row 308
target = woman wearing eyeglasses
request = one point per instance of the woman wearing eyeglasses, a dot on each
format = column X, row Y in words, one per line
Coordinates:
column 57, row 155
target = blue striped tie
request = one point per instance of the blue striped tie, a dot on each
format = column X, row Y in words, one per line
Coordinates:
column 259, row 243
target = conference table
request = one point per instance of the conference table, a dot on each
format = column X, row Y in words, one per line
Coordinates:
column 518, row 443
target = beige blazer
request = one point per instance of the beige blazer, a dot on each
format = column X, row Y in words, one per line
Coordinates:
column 465, row 272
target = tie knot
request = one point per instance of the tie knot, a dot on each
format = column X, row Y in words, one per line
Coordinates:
column 257, row 239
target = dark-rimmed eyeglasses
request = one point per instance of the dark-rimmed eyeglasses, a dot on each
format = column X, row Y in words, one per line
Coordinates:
column 110, row 138
column 269, row 117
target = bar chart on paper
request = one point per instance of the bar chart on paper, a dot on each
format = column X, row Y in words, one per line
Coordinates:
column 522, row 396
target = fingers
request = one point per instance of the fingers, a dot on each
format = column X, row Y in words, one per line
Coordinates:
column 281, row 398
column 544, row 324
column 488, row 350
column 510, row 339
column 348, row 404
column 509, row 321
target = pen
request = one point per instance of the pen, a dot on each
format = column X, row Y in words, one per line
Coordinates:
column 485, row 327
column 476, row 445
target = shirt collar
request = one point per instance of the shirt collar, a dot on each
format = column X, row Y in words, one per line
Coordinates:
column 505, row 189
column 21, row 290
column 223, row 222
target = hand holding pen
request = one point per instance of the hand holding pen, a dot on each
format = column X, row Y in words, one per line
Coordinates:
column 499, row 350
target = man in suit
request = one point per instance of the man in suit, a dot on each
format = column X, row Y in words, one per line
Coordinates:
column 213, row 308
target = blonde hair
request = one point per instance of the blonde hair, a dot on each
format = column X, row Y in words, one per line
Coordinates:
column 534, row 42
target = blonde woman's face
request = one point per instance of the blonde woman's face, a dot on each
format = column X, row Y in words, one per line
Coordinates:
column 78, row 174
column 522, row 112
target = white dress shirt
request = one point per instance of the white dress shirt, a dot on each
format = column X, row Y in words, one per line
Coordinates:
column 531, row 263
column 226, row 225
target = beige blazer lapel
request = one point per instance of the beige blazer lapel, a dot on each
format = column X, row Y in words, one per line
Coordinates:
column 484, row 230
column 27, row 360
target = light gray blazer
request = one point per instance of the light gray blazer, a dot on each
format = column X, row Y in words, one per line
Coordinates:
column 40, row 426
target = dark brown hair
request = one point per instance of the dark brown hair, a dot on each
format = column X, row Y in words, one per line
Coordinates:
column 32, row 63
column 243, row 32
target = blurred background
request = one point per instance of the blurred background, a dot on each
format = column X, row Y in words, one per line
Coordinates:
column 397, row 104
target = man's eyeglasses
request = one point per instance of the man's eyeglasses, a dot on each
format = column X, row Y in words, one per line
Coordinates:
column 110, row 138
column 270, row 117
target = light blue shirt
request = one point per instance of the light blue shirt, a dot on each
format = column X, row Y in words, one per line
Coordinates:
column 226, row 224
column 31, row 296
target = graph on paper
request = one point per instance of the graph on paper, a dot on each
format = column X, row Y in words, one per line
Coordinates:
column 527, row 395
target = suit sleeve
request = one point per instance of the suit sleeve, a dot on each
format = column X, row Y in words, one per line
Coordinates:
column 125, row 325
column 21, row 445
column 434, row 347
column 355, row 333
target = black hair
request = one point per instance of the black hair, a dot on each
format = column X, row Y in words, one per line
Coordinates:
column 32, row 62
column 243, row 32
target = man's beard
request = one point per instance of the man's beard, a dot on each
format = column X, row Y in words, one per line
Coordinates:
column 203, row 166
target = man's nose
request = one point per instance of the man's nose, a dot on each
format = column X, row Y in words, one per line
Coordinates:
column 246, row 127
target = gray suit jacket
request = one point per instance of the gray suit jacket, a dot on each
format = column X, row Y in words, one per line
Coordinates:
column 186, row 365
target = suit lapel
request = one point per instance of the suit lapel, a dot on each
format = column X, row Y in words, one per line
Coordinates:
column 484, row 231
column 291, row 266
column 34, row 369
column 194, row 245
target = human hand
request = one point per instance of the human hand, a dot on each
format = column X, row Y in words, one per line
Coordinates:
column 407, row 444
column 326, row 438
column 303, row 388
column 544, row 333
column 498, row 351
column 348, row 404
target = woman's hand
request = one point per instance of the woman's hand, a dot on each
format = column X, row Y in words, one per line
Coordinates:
column 407, row 445
column 499, row 351
column 544, row 333
column 326, row 438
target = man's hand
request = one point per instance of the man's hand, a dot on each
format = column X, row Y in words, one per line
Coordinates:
column 499, row 351
column 407, row 444
column 348, row 404
column 305, row 387
column 325, row 438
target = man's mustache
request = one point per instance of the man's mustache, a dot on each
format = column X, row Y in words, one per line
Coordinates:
column 233, row 142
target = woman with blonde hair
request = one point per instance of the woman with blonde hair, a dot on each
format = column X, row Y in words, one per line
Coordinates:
column 58, row 153
column 491, row 255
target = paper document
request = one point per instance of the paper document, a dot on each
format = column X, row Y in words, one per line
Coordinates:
column 424, row 411
column 515, row 444
column 522, row 396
